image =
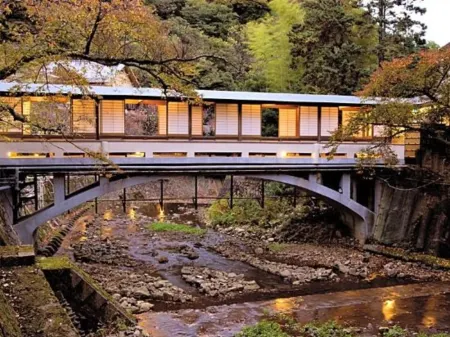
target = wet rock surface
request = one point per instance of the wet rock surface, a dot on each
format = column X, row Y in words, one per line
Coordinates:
column 148, row 272
column 291, row 273
column 136, row 290
column 217, row 283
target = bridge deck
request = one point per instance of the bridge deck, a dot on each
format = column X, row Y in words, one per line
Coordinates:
column 179, row 165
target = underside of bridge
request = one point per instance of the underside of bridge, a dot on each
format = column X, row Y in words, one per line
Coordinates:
column 356, row 216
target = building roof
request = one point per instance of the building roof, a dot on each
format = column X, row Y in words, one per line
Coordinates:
column 212, row 95
column 93, row 72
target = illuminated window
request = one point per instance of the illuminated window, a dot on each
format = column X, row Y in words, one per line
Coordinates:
column 47, row 115
column 142, row 118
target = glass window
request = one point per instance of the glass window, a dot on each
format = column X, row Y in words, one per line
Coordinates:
column 47, row 116
column 209, row 121
column 141, row 118
column 269, row 124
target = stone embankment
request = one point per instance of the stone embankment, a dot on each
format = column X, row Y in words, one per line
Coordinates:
column 217, row 283
column 55, row 242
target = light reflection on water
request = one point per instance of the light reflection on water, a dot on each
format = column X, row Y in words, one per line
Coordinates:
column 389, row 310
column 429, row 319
column 132, row 213
column 108, row 215
column 284, row 304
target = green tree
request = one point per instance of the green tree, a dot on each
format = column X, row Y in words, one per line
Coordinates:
column 214, row 19
column 268, row 41
column 414, row 95
column 399, row 32
column 333, row 46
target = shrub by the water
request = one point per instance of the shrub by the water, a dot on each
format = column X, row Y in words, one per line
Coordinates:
column 247, row 212
column 263, row 329
column 172, row 227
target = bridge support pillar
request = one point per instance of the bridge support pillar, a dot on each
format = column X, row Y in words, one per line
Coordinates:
column 377, row 196
column 346, row 184
column 59, row 188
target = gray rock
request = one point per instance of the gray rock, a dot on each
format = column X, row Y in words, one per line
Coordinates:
column 259, row 251
column 140, row 292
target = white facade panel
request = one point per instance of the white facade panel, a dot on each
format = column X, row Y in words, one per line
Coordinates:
column 227, row 119
column 251, row 120
column 112, row 117
column 178, row 118
column 329, row 120
column 309, row 120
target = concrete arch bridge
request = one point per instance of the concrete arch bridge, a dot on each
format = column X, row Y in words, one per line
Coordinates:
column 339, row 192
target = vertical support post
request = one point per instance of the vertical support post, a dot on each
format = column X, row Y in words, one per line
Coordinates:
column 378, row 194
column 354, row 194
column 124, row 200
column 167, row 117
column 263, row 192
column 196, row 193
column 319, row 124
column 97, row 119
column 16, row 197
column 161, row 195
column 231, row 191
column 240, row 121
column 59, row 188
column 96, row 205
column 68, row 184
column 36, row 193
column 346, row 184
column 190, row 120
column 295, row 196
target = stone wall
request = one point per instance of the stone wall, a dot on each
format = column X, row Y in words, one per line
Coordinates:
column 9, row 326
column 7, row 235
column 417, row 219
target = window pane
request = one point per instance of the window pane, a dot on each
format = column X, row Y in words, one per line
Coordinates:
column 141, row 119
column 269, row 127
column 209, row 121
column 47, row 116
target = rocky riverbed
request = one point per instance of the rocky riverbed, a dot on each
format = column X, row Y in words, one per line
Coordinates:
column 147, row 270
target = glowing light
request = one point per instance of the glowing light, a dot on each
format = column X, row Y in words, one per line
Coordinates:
column 132, row 214
column 108, row 215
column 429, row 321
column 284, row 304
column 283, row 154
column 36, row 154
column 389, row 309
column 161, row 215
column 10, row 154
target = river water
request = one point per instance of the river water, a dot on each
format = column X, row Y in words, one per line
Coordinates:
column 419, row 306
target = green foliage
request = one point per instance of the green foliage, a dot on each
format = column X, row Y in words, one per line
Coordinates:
column 9, row 326
column 329, row 329
column 277, row 247
column 395, row 331
column 178, row 228
column 334, row 46
column 246, row 212
column 400, row 33
column 213, row 19
column 268, row 40
column 269, row 122
column 263, row 329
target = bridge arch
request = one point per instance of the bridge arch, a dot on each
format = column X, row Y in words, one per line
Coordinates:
column 356, row 216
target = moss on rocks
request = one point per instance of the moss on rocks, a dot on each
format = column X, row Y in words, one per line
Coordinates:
column 9, row 326
column 401, row 254
column 64, row 263
column 39, row 309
